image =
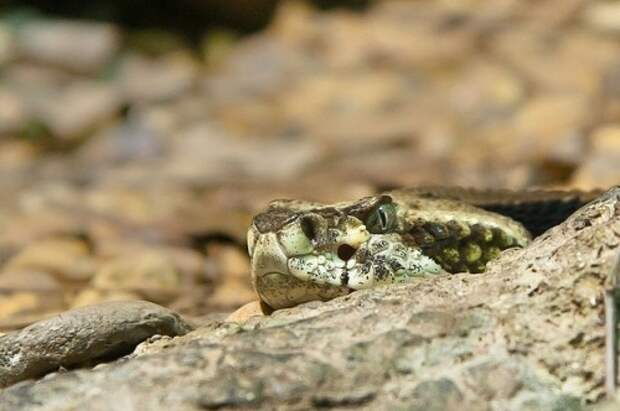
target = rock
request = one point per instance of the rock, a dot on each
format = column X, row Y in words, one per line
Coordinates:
column 81, row 337
column 146, row 80
column 192, row 159
column 552, row 63
column 48, row 102
column 484, row 92
column 37, row 281
column 75, row 45
column 78, row 108
column 604, row 16
column 251, row 309
column 600, row 165
column 129, row 142
column 546, row 128
column 230, row 269
column 148, row 273
column 15, row 155
column 7, row 45
column 19, row 303
column 91, row 296
column 477, row 342
column 66, row 257
column 13, row 111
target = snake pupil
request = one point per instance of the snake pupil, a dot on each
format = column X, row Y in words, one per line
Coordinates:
column 383, row 219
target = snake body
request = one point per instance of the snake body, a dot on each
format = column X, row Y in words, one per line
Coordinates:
column 303, row 251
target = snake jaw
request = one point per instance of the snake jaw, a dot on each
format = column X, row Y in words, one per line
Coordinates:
column 268, row 256
column 275, row 284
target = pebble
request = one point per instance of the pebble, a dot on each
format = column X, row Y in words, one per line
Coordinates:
column 604, row 16
column 82, row 336
column 68, row 258
column 148, row 273
column 600, row 166
column 79, row 46
column 7, row 45
column 146, row 80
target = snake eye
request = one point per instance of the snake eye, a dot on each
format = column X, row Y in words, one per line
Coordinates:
column 382, row 219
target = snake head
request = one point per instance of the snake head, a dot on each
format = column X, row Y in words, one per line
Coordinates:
column 305, row 251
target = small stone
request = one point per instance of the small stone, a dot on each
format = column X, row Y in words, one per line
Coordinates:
column 604, row 16
column 230, row 269
column 19, row 303
column 251, row 309
column 78, row 108
column 33, row 281
column 486, row 91
column 74, row 45
column 15, row 154
column 13, row 111
column 149, row 273
column 600, row 166
column 547, row 122
column 152, row 80
column 91, row 296
column 67, row 257
column 83, row 335
column 7, row 45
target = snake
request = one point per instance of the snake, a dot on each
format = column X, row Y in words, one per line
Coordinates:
column 304, row 251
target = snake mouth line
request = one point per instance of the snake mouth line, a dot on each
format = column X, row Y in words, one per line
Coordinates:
column 344, row 278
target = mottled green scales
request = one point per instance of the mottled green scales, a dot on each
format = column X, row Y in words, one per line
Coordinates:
column 459, row 247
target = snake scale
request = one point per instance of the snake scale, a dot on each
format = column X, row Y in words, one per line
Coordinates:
column 303, row 251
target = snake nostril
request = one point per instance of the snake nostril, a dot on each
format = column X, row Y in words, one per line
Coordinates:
column 307, row 226
column 345, row 252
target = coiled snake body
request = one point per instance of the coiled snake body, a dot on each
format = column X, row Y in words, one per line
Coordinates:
column 303, row 251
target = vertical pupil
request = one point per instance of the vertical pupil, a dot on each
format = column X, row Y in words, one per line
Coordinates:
column 383, row 219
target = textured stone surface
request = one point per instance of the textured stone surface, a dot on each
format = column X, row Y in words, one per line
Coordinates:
column 527, row 334
column 82, row 337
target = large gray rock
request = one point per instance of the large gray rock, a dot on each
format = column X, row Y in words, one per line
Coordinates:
column 526, row 335
column 82, row 337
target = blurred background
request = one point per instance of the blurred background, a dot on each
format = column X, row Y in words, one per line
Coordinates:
column 137, row 139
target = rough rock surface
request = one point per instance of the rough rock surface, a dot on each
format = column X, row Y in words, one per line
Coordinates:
column 82, row 337
column 527, row 334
